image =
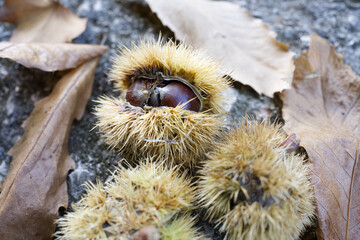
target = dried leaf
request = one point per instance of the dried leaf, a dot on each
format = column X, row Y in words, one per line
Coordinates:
column 245, row 46
column 15, row 9
column 323, row 108
column 41, row 21
column 35, row 186
column 49, row 56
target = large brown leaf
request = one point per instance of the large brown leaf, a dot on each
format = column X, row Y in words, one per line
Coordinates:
column 323, row 108
column 50, row 56
column 41, row 21
column 246, row 47
column 35, row 186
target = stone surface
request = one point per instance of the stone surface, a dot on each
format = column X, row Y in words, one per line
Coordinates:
column 115, row 23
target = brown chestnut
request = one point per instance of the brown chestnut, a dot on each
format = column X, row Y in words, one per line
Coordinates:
column 155, row 93
column 176, row 93
column 138, row 92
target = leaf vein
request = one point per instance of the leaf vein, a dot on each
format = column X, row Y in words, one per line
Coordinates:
column 350, row 191
column 330, row 170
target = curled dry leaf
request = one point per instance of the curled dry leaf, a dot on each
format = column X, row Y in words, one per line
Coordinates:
column 49, row 56
column 246, row 47
column 35, row 186
column 323, row 108
column 41, row 21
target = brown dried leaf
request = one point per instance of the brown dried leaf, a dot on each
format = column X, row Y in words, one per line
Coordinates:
column 12, row 10
column 323, row 108
column 49, row 56
column 35, row 186
column 245, row 46
column 41, row 21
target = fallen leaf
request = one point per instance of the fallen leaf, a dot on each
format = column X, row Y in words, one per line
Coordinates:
column 323, row 108
column 15, row 9
column 50, row 56
column 245, row 46
column 35, row 186
column 41, row 21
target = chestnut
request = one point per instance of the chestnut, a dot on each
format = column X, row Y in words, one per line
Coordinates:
column 138, row 92
column 155, row 93
column 176, row 93
column 252, row 189
column 172, row 104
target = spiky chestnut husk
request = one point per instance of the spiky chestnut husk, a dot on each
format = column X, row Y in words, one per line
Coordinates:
column 178, row 228
column 181, row 122
column 253, row 188
column 171, row 59
column 148, row 195
column 166, row 134
column 181, row 228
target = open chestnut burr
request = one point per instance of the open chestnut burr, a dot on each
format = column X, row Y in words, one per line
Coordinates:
column 171, row 103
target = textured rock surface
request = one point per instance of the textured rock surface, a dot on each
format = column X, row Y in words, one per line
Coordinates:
column 116, row 23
